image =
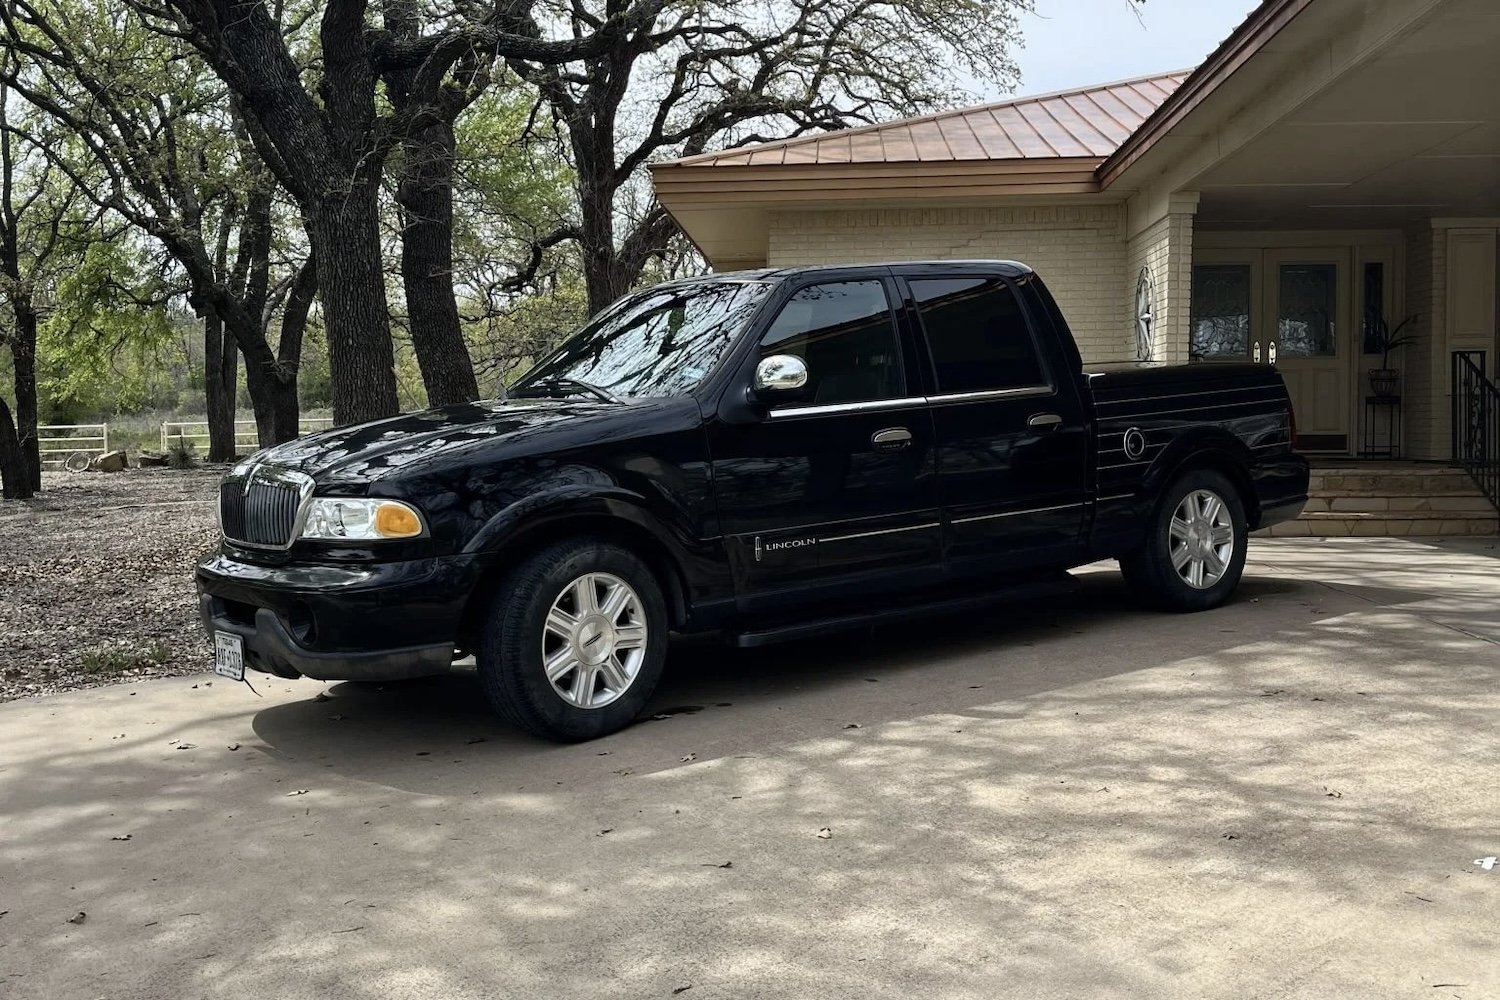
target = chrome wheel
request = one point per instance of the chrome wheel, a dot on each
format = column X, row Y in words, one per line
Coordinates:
column 594, row 640
column 1201, row 540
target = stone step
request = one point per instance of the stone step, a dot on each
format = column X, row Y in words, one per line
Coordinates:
column 1391, row 483
column 1437, row 504
column 1386, row 524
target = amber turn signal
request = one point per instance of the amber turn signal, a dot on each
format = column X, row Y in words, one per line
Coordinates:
column 396, row 521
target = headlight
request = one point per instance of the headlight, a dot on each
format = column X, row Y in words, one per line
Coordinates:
column 346, row 519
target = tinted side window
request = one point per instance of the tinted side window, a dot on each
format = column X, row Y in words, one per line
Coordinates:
column 844, row 332
column 978, row 335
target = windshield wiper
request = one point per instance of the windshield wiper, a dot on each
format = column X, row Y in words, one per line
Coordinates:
column 570, row 386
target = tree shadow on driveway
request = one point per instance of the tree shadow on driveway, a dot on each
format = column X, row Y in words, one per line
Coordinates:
column 439, row 736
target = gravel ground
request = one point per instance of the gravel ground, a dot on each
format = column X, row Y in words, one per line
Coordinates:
column 96, row 582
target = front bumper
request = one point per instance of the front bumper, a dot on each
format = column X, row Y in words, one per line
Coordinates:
column 372, row 622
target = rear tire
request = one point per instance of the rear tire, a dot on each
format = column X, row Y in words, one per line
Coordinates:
column 575, row 641
column 1194, row 552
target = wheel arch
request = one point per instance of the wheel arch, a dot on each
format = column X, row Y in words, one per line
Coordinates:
column 609, row 519
column 1214, row 449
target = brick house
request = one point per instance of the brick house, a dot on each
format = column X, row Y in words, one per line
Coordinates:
column 1332, row 166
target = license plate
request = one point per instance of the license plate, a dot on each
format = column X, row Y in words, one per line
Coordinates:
column 229, row 655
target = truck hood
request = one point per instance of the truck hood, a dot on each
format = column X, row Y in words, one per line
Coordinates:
column 376, row 450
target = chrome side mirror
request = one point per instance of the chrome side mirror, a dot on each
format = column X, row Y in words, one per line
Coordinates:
column 780, row 373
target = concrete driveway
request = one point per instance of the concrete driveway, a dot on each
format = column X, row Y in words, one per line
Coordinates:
column 1282, row 798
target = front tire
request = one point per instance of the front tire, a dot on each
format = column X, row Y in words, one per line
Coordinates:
column 1194, row 552
column 575, row 641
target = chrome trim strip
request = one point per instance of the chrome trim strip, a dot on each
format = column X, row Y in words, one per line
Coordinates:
column 907, row 402
column 1181, row 395
column 868, row 406
column 1012, row 513
column 885, row 531
column 1272, row 408
column 1122, row 496
column 985, row 395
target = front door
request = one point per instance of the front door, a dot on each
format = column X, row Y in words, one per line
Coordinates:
column 1309, row 337
column 833, row 494
column 1288, row 308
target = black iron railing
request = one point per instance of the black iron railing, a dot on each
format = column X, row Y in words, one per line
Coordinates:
column 1476, row 423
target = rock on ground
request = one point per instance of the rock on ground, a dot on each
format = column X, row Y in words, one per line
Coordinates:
column 96, row 579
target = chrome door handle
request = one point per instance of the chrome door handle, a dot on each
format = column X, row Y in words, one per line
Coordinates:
column 891, row 439
column 1044, row 421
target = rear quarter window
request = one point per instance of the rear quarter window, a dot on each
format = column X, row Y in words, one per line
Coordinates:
column 977, row 334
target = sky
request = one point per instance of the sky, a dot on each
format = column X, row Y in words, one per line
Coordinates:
column 1075, row 43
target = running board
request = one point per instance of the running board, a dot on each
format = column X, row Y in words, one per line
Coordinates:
column 1028, row 590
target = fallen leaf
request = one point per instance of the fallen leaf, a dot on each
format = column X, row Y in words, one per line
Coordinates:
column 424, row 753
column 300, row 791
column 120, row 836
column 607, row 829
column 825, row 834
column 78, row 917
column 187, row 746
column 682, row 989
column 234, row 746
column 690, row 758
column 350, row 930
column 852, row 725
column 710, row 864
column 475, row 739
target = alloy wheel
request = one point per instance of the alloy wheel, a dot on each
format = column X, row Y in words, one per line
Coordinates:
column 1201, row 539
column 594, row 640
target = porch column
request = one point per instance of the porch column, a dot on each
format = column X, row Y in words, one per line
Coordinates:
column 1160, row 274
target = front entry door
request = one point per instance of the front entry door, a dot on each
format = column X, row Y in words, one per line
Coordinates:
column 833, row 494
column 1290, row 308
column 1306, row 327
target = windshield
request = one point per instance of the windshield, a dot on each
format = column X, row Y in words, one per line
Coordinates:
column 660, row 342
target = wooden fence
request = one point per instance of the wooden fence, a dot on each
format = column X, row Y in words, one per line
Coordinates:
column 58, row 441
column 195, row 433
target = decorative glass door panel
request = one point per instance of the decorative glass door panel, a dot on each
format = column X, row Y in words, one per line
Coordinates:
column 1307, row 312
column 1222, row 310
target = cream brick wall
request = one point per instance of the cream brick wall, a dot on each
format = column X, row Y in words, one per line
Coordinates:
column 1080, row 250
column 1166, row 249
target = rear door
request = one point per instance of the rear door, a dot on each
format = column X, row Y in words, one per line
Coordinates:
column 1008, row 423
column 833, row 494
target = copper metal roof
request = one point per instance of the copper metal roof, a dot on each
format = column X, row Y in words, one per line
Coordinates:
column 1091, row 122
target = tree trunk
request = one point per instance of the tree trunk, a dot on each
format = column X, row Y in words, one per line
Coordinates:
column 603, row 276
column 15, row 479
column 345, row 236
column 23, row 353
column 219, row 389
column 425, row 193
column 273, row 397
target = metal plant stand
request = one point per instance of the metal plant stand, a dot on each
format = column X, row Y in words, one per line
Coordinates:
column 1382, row 413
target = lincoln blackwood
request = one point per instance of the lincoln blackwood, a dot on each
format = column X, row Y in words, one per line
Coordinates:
column 765, row 454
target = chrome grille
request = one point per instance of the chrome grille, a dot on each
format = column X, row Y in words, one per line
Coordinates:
column 264, row 508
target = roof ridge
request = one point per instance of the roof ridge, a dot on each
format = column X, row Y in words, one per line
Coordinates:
column 930, row 117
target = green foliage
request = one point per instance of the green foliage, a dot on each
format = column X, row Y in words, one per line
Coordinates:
column 106, row 660
column 99, row 348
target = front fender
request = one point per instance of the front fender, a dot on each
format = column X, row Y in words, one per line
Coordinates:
column 578, row 502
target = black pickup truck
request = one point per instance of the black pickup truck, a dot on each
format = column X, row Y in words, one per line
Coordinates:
column 765, row 454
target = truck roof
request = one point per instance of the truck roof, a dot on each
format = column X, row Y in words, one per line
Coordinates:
column 777, row 274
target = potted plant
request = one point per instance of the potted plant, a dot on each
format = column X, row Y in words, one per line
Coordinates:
column 1382, row 339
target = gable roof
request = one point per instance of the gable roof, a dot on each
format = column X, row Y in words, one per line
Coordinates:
column 1091, row 122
